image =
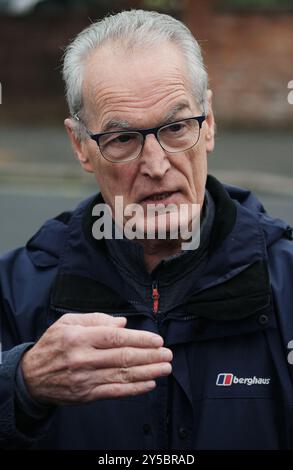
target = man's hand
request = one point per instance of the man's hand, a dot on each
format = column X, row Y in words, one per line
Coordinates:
column 84, row 357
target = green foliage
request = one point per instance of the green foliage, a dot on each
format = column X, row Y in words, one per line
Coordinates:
column 258, row 4
column 160, row 4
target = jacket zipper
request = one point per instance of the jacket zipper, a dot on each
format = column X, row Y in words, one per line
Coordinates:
column 155, row 308
column 155, row 297
column 113, row 314
column 158, row 321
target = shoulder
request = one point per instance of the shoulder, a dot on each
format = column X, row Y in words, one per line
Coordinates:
column 280, row 260
column 27, row 274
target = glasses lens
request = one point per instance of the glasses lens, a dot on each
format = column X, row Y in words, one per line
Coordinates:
column 120, row 146
column 179, row 136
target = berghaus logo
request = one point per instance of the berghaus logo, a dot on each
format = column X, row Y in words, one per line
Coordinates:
column 226, row 379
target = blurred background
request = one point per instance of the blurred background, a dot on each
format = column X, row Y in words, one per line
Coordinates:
column 248, row 49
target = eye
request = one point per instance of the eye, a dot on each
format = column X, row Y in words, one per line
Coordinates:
column 125, row 138
column 118, row 139
column 177, row 127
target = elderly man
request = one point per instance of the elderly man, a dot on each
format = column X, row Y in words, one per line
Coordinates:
column 152, row 345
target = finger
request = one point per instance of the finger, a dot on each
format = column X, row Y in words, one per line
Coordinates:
column 106, row 337
column 92, row 319
column 132, row 374
column 117, row 390
column 123, row 357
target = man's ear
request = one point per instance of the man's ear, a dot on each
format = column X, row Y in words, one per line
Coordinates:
column 210, row 124
column 79, row 147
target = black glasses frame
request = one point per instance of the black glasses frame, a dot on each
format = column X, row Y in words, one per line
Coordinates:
column 143, row 133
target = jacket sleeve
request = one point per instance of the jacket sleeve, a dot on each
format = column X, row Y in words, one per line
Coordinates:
column 281, row 274
column 17, row 429
column 23, row 319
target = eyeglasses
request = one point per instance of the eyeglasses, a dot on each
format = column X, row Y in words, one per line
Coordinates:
column 126, row 145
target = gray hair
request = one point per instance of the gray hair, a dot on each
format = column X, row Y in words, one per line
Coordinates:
column 133, row 29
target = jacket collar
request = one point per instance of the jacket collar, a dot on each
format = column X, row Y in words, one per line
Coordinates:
column 128, row 256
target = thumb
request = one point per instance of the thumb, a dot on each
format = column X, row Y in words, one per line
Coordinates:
column 92, row 319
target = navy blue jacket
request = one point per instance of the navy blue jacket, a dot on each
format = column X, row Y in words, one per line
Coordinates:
column 231, row 385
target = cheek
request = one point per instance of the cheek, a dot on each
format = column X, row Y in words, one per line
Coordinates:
column 113, row 180
column 195, row 171
column 194, row 165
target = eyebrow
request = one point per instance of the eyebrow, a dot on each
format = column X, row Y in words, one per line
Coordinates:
column 171, row 114
column 116, row 123
column 122, row 124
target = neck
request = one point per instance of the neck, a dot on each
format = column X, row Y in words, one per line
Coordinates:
column 138, row 258
column 157, row 250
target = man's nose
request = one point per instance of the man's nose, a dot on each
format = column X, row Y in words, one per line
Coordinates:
column 154, row 161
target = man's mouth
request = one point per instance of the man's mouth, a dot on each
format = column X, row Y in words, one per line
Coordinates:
column 158, row 197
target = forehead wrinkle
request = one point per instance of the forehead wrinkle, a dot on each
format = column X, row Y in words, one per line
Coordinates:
column 144, row 90
column 119, row 112
column 99, row 94
column 139, row 80
column 109, row 100
column 117, row 123
column 128, row 100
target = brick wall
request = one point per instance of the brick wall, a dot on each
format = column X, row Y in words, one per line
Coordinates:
column 30, row 66
column 31, row 50
column 249, row 58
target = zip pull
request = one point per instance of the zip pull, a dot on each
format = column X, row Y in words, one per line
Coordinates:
column 155, row 297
